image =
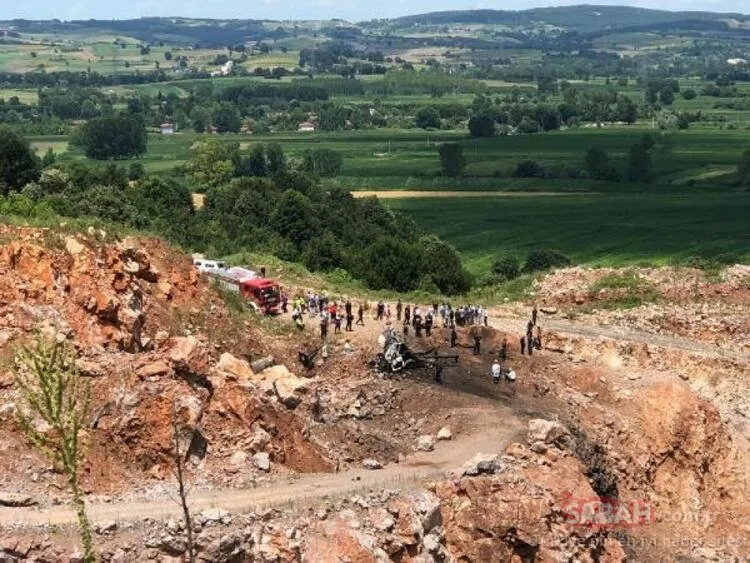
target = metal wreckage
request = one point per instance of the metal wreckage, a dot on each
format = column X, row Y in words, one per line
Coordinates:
column 397, row 356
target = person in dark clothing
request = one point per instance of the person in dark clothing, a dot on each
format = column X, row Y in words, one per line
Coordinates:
column 438, row 373
column 529, row 327
column 504, row 350
column 417, row 326
column 538, row 341
column 454, row 337
column 406, row 329
column 452, row 316
column 434, row 308
column 523, row 345
column 428, row 324
column 533, row 315
column 477, row 342
column 262, row 271
column 349, row 319
column 348, row 307
column 407, row 314
column 399, row 308
column 284, row 302
column 337, row 325
column 529, row 344
column 360, row 315
column 380, row 310
column 323, row 327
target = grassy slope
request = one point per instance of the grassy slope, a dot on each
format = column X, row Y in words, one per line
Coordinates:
column 608, row 229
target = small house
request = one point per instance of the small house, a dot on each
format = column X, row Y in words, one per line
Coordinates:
column 166, row 128
column 306, row 126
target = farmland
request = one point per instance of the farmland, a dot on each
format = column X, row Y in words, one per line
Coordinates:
column 595, row 229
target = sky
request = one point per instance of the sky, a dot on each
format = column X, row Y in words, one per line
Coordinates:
column 352, row 10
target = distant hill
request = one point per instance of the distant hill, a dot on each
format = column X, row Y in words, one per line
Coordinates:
column 583, row 18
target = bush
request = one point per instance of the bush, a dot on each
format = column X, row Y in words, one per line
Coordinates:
column 539, row 260
column 689, row 94
column 529, row 169
column 507, row 268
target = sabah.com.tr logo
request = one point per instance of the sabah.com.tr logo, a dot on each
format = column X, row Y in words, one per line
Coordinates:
column 603, row 512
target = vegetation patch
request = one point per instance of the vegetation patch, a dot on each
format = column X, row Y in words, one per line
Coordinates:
column 622, row 291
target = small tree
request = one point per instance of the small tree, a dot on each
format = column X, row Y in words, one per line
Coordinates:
column 49, row 381
column 179, row 472
column 452, row 159
column 428, row 118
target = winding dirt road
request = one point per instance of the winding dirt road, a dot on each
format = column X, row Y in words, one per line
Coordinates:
column 495, row 426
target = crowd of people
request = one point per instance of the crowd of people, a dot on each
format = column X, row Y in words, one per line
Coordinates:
column 326, row 311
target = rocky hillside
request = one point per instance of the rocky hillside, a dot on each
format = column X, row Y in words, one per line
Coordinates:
column 379, row 468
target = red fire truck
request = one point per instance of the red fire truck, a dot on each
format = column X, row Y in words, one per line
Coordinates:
column 264, row 294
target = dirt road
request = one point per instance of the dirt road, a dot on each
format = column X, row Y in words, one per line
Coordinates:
column 403, row 194
column 495, row 426
column 518, row 326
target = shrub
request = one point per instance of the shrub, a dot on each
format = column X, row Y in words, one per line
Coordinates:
column 507, row 268
column 538, row 260
column 529, row 169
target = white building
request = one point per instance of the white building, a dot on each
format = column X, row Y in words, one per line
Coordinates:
column 307, row 126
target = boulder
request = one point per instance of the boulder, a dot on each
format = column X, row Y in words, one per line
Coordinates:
column 212, row 515
column 262, row 461
column 481, row 464
column 444, row 433
column 288, row 388
column 427, row 507
column 426, row 443
column 182, row 348
column 73, row 246
column 546, row 431
column 238, row 458
column 262, row 363
column 235, row 367
column 372, row 464
column 153, row 369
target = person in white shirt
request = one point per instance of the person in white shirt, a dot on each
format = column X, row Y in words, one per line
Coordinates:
column 496, row 372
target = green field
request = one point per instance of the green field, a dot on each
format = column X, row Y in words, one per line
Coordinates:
column 408, row 159
column 597, row 229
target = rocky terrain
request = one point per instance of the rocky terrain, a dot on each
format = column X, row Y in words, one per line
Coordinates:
column 340, row 463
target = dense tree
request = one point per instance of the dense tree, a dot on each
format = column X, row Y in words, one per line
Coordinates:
column 428, row 118
column 666, row 96
column 390, row 263
column 275, row 158
column 323, row 253
column 227, row 118
column 482, row 126
column 639, row 161
column 119, row 136
column 18, row 164
column 598, row 166
column 294, row 218
column 212, row 163
column 442, row 264
column 452, row 161
column 689, row 94
column 507, row 268
column 323, row 162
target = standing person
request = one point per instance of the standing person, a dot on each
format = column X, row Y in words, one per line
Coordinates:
column 496, row 372
column 349, row 319
column 406, row 329
column 399, row 308
column 262, row 271
column 388, row 313
column 484, row 312
column 523, row 345
column 337, row 324
column 452, row 316
column 348, row 307
column 454, row 336
column 538, row 337
column 428, row 323
column 434, row 308
column 380, row 310
column 529, row 335
column 533, row 315
column 407, row 314
column 284, row 302
column 323, row 326
column 417, row 327
column 477, row 341
column 504, row 350
column 438, row 373
column 360, row 314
